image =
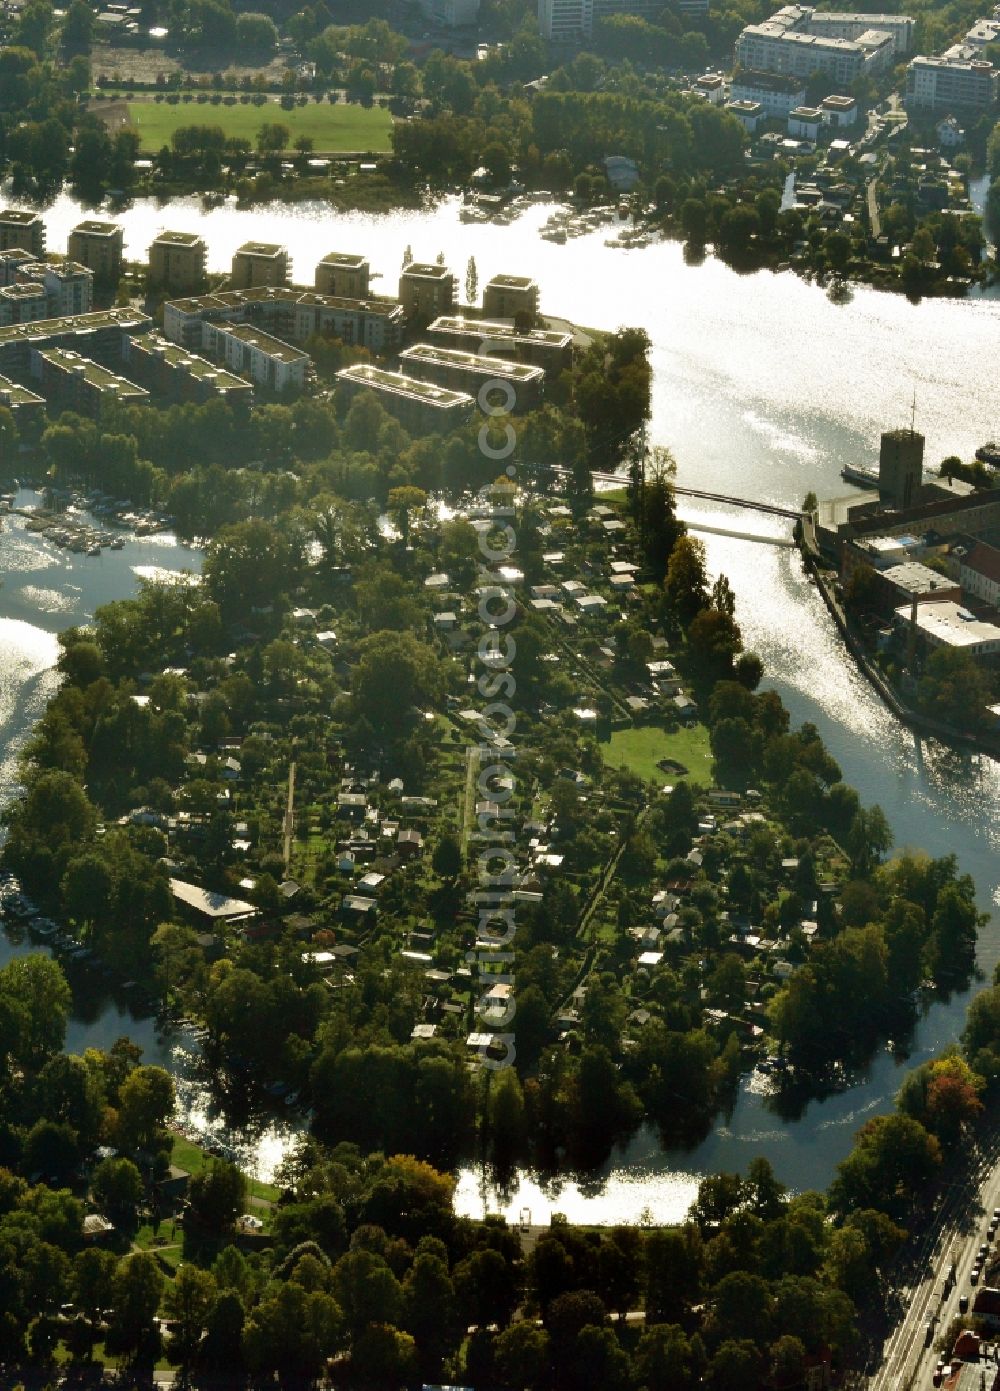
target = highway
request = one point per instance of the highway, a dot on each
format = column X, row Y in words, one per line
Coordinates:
column 957, row 1230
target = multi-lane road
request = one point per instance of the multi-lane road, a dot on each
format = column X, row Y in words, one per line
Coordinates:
column 923, row 1290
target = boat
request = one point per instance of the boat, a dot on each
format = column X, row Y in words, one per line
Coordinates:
column 94, row 549
column 556, row 234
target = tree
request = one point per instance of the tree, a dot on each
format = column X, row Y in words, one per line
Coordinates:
column 189, row 1301
column 954, row 688
column 272, row 137
column 893, row 1159
column 667, row 1360
column 256, row 33
column 788, row 1361
column 145, row 1102
column 217, row 1195
column 430, row 1313
column 78, row 27
column 394, row 672
column 292, row 1332
column 685, row 588
column 447, row 858
column 471, row 281
column 521, row 1354
column 117, row 1189
column 34, row 1008
column 135, row 1298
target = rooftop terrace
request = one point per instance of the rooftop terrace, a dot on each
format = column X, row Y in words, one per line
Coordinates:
column 400, row 385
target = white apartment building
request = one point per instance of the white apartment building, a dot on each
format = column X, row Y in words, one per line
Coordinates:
column 23, row 303
column 292, row 313
column 69, row 287
column 570, row 21
column 770, row 47
column 799, row 40
column 831, row 24
column 937, row 83
column 776, row 93
column 252, row 353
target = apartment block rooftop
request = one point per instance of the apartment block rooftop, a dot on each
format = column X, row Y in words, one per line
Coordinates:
column 493, row 328
column 177, row 356
column 93, row 227
column 13, row 394
column 344, row 258
column 222, row 300
column 400, row 385
column 257, row 338
column 429, row 272
column 14, row 217
column 101, row 378
column 513, row 282
column 125, row 319
column 261, row 248
column 177, row 239
column 477, row 362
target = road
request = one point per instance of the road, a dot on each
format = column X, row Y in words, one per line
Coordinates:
column 955, row 1234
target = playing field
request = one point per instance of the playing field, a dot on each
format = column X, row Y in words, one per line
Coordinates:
column 332, row 129
column 641, row 750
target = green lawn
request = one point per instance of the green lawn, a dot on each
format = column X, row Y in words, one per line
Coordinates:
column 333, row 129
column 187, row 1155
column 641, row 749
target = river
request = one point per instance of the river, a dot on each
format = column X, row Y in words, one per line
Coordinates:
column 763, row 387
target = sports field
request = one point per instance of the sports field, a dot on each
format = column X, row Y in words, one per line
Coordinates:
column 333, row 129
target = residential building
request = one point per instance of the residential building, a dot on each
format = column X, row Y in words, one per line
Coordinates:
column 571, row 21
column 470, row 372
column 950, row 134
column 839, row 111
column 71, row 382
column 11, row 262
column 26, row 406
column 177, row 262
column 776, row 93
column 983, row 32
column 799, row 41
column 453, row 14
column 506, row 296
column 259, row 263
column 22, row 230
column 23, row 303
column 99, row 334
column 748, row 113
column 711, row 86
column 979, row 573
column 548, row 348
column 343, row 275
column 171, row 371
column 833, row 24
column 426, row 291
column 99, row 246
column 949, row 625
column 290, row 313
column 419, row 406
column 942, row 84
column 266, row 360
column 805, row 122
column 69, row 287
